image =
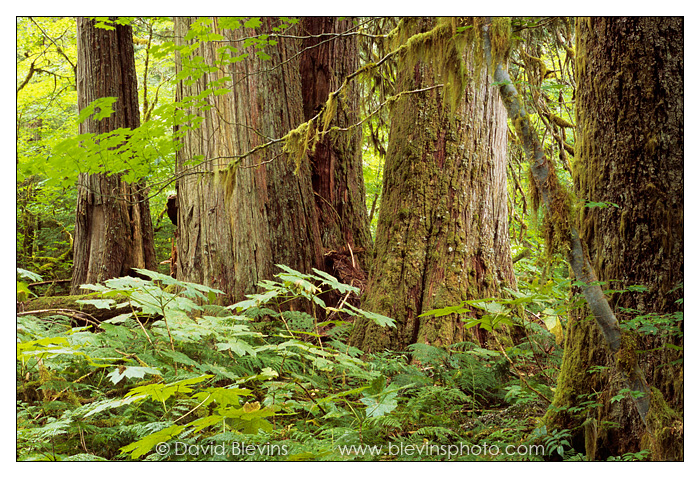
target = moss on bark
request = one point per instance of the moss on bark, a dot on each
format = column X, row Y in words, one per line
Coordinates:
column 619, row 159
column 442, row 227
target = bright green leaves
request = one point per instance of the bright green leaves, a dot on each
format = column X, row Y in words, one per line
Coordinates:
column 98, row 303
column 146, row 444
column 107, row 23
column 494, row 313
column 247, row 418
column 379, row 398
column 46, row 347
column 121, row 373
column 98, row 110
column 23, row 291
column 160, row 392
column 292, row 283
column 150, row 296
column 202, row 30
column 253, row 23
column 379, row 319
column 137, row 154
column 239, row 347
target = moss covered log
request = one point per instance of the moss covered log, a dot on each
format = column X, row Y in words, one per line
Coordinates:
column 69, row 306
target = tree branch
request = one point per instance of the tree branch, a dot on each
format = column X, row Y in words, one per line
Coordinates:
column 549, row 188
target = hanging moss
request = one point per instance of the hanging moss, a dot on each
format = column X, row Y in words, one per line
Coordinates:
column 300, row 140
column 227, row 178
column 559, row 214
column 500, row 40
column 627, row 355
column 442, row 47
column 330, row 109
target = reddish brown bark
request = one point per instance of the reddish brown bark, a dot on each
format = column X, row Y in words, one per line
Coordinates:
column 113, row 229
column 234, row 227
column 336, row 162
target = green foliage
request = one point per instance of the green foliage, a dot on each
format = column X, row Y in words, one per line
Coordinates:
column 175, row 378
column 557, row 443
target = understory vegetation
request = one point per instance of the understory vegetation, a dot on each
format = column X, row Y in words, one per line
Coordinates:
column 176, row 378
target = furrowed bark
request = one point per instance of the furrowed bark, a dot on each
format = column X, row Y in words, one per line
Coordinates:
column 442, row 230
column 548, row 188
column 113, row 229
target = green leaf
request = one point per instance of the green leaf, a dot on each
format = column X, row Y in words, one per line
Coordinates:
column 331, row 281
column 380, row 404
column 98, row 407
column 160, row 392
column 262, row 55
column 23, row 291
column 452, row 309
column 253, row 23
column 99, row 303
column 239, row 347
column 179, row 357
column 99, row 109
column 222, row 396
column 25, row 274
column 378, row 319
column 145, row 444
column 131, row 372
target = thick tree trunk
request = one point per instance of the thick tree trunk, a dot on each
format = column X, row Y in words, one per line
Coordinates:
column 271, row 202
column 442, row 233
column 629, row 151
column 235, row 226
column 336, row 161
column 113, row 229
column 204, row 236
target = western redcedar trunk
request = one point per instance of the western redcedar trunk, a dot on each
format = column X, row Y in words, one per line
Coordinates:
column 336, row 161
column 272, row 201
column 234, row 226
column 629, row 151
column 113, row 229
column 442, row 232
column 204, row 236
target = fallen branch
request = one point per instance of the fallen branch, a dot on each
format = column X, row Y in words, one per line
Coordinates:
column 73, row 314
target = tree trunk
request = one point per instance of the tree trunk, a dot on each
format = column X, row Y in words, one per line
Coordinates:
column 272, row 202
column 113, row 229
column 235, row 226
column 336, row 161
column 204, row 236
column 629, row 151
column 442, row 233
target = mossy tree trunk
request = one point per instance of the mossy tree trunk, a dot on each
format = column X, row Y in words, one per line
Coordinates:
column 442, row 233
column 629, row 151
column 113, row 229
column 336, row 161
column 235, row 226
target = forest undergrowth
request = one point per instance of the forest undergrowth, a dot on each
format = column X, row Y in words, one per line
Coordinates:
column 176, row 378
